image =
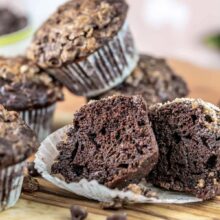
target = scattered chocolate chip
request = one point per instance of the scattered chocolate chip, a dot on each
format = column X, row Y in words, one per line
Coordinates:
column 30, row 184
column 78, row 213
column 31, row 170
column 117, row 217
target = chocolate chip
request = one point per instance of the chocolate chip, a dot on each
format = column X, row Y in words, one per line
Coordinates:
column 117, row 217
column 31, row 170
column 78, row 213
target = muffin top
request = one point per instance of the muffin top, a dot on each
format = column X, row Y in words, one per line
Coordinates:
column 25, row 86
column 17, row 140
column 209, row 112
column 76, row 30
column 154, row 80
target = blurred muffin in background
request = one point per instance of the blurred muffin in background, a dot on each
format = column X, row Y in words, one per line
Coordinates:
column 27, row 89
column 11, row 22
column 154, row 80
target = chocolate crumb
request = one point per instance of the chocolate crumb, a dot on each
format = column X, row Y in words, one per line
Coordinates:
column 113, row 205
column 78, row 213
column 31, row 169
column 135, row 189
column 30, row 184
column 117, row 217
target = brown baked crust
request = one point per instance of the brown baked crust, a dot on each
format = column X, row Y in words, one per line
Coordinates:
column 17, row 140
column 25, row 86
column 188, row 137
column 76, row 30
column 111, row 142
column 154, row 80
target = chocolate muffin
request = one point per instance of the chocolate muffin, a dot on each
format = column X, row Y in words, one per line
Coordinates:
column 188, row 137
column 111, row 141
column 87, row 45
column 153, row 79
column 11, row 22
column 17, row 143
column 26, row 88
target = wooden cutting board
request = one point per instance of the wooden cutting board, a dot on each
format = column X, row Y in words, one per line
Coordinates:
column 51, row 203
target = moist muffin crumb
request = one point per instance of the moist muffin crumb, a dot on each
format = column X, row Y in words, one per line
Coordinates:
column 188, row 136
column 75, row 30
column 153, row 79
column 111, row 141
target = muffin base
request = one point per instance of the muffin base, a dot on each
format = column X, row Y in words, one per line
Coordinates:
column 40, row 120
column 11, row 179
column 102, row 70
column 47, row 154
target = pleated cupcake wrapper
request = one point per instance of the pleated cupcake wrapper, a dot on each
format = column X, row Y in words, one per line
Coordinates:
column 102, row 70
column 40, row 120
column 11, row 179
column 47, row 154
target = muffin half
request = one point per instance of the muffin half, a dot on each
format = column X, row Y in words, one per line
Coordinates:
column 111, row 141
column 188, row 137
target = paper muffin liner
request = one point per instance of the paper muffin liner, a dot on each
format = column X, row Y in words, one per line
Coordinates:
column 11, row 179
column 47, row 154
column 39, row 120
column 102, row 70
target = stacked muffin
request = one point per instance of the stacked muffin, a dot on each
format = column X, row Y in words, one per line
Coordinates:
column 87, row 45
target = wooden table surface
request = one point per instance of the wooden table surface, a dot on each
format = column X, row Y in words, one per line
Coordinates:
column 51, row 203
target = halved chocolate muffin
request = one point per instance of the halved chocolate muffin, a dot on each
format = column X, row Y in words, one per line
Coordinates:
column 27, row 89
column 111, row 141
column 188, row 137
column 87, row 45
column 153, row 79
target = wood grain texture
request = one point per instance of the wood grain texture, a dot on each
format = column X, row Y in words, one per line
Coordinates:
column 51, row 195
column 51, row 203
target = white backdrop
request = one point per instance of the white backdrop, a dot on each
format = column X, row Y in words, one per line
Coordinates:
column 171, row 28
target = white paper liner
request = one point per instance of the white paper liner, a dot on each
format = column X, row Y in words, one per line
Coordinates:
column 40, row 120
column 11, row 179
column 47, row 153
column 102, row 70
